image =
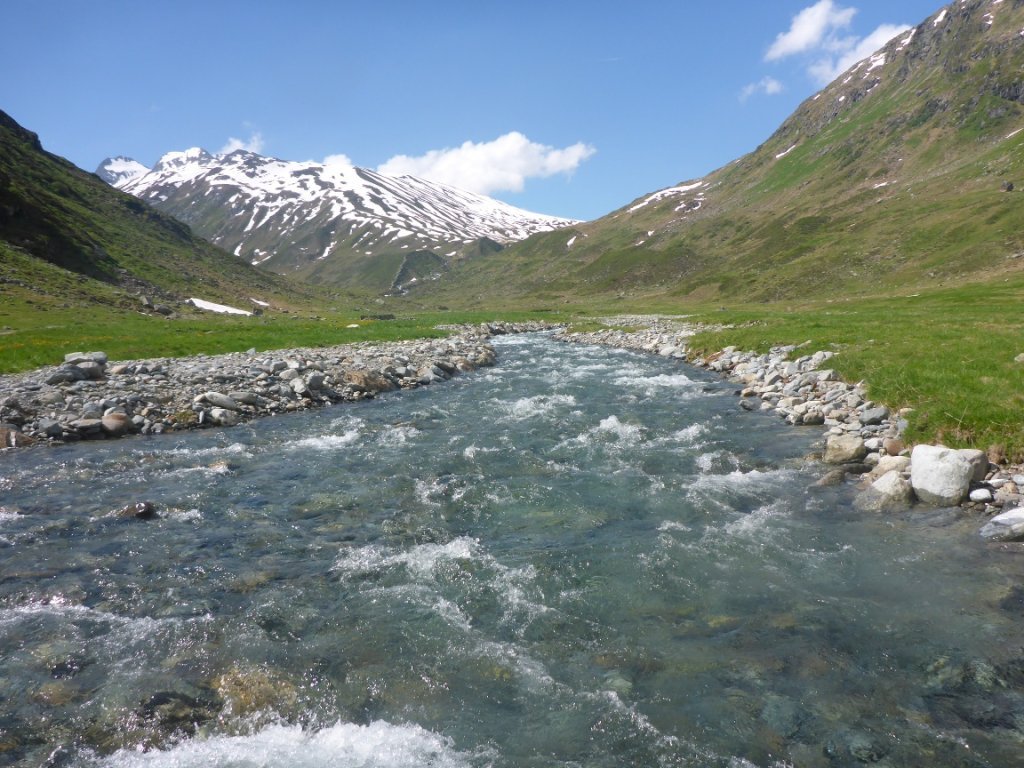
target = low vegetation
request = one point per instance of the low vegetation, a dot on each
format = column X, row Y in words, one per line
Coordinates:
column 949, row 354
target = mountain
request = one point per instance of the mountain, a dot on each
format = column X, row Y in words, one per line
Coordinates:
column 118, row 171
column 892, row 177
column 324, row 222
column 58, row 221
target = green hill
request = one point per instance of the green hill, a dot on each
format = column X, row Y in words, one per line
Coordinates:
column 66, row 235
column 892, row 178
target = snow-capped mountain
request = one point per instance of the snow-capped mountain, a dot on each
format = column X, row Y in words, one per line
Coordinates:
column 118, row 171
column 320, row 220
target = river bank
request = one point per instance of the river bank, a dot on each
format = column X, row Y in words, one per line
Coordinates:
column 863, row 440
column 89, row 397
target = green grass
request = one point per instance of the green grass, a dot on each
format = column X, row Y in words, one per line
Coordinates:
column 948, row 354
column 39, row 329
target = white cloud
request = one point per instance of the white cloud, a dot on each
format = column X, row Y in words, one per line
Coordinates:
column 769, row 86
column 810, row 29
column 827, row 69
column 816, row 32
column 338, row 159
column 254, row 144
column 500, row 165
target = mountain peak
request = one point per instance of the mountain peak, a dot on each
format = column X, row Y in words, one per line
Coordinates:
column 309, row 217
column 190, row 156
column 117, row 171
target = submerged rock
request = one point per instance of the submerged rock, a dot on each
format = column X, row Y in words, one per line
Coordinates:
column 143, row 510
column 1007, row 526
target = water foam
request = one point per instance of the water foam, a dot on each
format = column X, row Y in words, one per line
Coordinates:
column 532, row 407
column 325, row 442
column 343, row 745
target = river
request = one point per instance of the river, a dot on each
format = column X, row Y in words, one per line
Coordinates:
column 580, row 557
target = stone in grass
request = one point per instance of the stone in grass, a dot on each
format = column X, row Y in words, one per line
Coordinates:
column 1007, row 526
column 940, row 476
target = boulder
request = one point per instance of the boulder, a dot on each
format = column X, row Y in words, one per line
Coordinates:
column 891, row 464
column 224, row 417
column 978, row 460
column 369, row 381
column 892, row 445
column 843, row 449
column 75, row 358
column 12, row 438
column 1007, row 526
column 66, row 374
column 890, row 491
column 116, row 424
column 91, row 369
column 873, row 416
column 88, row 427
column 220, row 400
column 940, row 476
column 49, row 427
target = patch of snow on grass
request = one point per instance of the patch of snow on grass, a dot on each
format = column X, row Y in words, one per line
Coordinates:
column 571, row 241
column 940, row 18
column 666, row 193
column 224, row 309
column 259, row 303
column 785, row 152
column 877, row 60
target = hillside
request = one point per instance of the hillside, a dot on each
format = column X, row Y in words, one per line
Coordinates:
column 891, row 178
column 326, row 223
column 65, row 236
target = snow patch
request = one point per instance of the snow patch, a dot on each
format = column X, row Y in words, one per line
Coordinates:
column 666, row 193
column 940, row 18
column 224, row 309
column 785, row 152
column 1011, row 135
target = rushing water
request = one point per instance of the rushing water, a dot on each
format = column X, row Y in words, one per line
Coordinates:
column 581, row 557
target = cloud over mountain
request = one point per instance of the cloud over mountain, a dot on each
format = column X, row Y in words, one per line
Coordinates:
column 503, row 164
column 819, row 32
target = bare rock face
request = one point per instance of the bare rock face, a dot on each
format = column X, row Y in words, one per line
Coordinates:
column 940, row 476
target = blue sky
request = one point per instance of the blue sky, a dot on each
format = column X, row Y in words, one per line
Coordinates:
column 563, row 107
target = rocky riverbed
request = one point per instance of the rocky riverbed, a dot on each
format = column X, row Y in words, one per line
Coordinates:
column 863, row 440
column 89, row 397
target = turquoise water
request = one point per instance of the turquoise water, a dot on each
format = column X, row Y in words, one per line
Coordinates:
column 581, row 557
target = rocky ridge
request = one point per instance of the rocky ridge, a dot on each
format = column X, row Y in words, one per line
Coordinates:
column 863, row 440
column 89, row 397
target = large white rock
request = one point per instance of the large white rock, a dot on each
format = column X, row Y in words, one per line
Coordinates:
column 1008, row 526
column 940, row 475
column 978, row 460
